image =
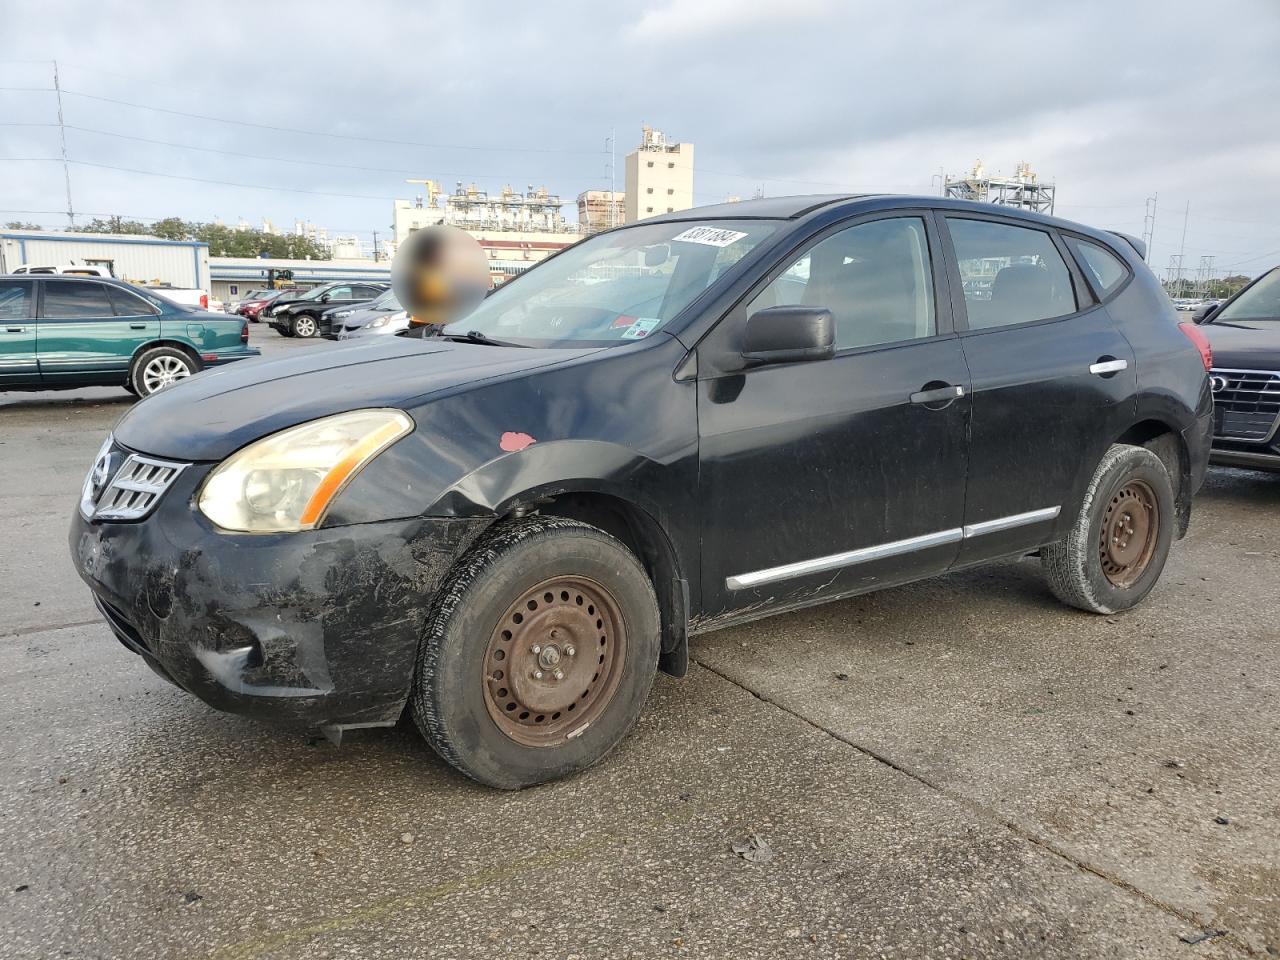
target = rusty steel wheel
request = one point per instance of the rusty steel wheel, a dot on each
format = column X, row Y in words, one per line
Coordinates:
column 1127, row 540
column 554, row 661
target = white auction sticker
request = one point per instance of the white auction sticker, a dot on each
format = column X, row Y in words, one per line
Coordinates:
column 640, row 328
column 711, row 236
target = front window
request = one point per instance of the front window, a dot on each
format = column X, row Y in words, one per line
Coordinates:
column 1259, row 302
column 615, row 287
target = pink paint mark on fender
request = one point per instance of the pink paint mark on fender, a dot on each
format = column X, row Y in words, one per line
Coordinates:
column 511, row 442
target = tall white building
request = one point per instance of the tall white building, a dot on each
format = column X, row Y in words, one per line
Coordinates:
column 659, row 176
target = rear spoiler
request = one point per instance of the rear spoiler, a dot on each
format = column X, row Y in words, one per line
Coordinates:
column 1134, row 242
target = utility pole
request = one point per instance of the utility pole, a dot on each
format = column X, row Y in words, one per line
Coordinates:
column 375, row 246
column 62, row 133
column 1149, row 222
column 1182, row 251
column 613, row 178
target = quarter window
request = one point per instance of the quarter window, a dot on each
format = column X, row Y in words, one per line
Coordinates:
column 73, row 300
column 875, row 278
column 15, row 300
column 1010, row 274
column 1104, row 268
column 128, row 304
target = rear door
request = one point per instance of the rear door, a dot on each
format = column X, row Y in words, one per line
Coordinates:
column 18, row 366
column 80, row 336
column 1054, row 381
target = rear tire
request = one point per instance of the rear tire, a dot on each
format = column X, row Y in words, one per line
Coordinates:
column 538, row 654
column 158, row 368
column 1117, row 548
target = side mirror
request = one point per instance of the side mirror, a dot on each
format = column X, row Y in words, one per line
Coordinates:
column 324, row 298
column 1204, row 313
column 789, row 334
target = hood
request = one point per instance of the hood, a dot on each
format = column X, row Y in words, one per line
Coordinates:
column 362, row 316
column 1245, row 344
column 215, row 413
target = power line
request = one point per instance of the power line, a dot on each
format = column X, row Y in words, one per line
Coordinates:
column 325, row 133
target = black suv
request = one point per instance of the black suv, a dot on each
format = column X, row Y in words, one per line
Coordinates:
column 1245, row 334
column 690, row 422
column 300, row 316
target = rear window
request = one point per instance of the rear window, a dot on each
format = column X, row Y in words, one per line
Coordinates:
column 128, row 304
column 74, row 300
column 1010, row 274
column 1104, row 269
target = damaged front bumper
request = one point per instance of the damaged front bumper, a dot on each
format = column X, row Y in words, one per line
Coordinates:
column 318, row 628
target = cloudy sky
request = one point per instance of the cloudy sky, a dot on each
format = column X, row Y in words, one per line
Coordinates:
column 321, row 110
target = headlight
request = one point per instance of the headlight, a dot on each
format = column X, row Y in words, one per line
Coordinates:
column 343, row 314
column 285, row 482
column 383, row 321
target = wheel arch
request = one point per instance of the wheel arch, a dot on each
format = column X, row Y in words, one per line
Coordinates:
column 172, row 343
column 1166, row 442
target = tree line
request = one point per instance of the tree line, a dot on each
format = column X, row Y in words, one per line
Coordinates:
column 223, row 241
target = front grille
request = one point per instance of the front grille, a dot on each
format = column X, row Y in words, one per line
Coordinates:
column 1246, row 404
column 129, row 491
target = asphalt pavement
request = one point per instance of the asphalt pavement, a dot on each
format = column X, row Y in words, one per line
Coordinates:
column 958, row 768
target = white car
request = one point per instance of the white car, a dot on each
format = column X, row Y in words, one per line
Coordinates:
column 72, row 269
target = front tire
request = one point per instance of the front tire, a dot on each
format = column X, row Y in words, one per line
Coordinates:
column 158, row 368
column 538, row 655
column 304, row 325
column 1117, row 548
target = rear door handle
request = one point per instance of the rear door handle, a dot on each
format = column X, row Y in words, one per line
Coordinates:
column 137, row 326
column 942, row 395
column 1106, row 366
column 15, row 329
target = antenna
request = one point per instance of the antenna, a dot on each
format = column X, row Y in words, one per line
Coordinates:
column 62, row 133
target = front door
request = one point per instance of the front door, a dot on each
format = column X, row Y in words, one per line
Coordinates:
column 18, row 367
column 835, row 476
column 82, row 339
column 1054, row 382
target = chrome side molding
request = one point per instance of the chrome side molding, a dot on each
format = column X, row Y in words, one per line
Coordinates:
column 881, row 551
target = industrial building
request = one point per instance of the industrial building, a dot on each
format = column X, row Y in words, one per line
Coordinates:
column 1023, row 190
column 143, row 260
column 600, row 210
column 659, row 176
column 516, row 230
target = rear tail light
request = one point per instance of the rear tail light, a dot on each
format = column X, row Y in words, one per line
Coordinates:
column 204, row 301
column 1196, row 336
column 244, row 332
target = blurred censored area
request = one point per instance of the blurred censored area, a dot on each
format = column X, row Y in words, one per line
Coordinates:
column 440, row 274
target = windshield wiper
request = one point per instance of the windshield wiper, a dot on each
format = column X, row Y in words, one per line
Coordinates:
column 475, row 336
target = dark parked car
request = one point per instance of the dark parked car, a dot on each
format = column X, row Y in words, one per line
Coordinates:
column 689, row 422
column 300, row 316
column 1245, row 334
column 64, row 332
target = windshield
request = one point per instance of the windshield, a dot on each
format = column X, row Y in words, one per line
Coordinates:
column 1259, row 302
column 385, row 301
column 615, row 287
column 315, row 292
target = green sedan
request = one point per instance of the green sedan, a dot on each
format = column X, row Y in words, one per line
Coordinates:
column 59, row 333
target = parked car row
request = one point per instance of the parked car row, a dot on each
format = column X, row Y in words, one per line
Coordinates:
column 310, row 314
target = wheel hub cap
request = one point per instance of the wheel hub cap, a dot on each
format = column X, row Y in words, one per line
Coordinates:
column 1127, row 540
column 554, row 661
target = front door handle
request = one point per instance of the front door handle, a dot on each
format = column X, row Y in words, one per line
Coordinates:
column 137, row 326
column 938, row 395
column 15, row 329
column 1108, row 366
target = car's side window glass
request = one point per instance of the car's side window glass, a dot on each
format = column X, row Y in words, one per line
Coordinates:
column 15, row 300
column 875, row 278
column 74, row 300
column 1010, row 274
column 128, row 304
column 1104, row 268
column 340, row 293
